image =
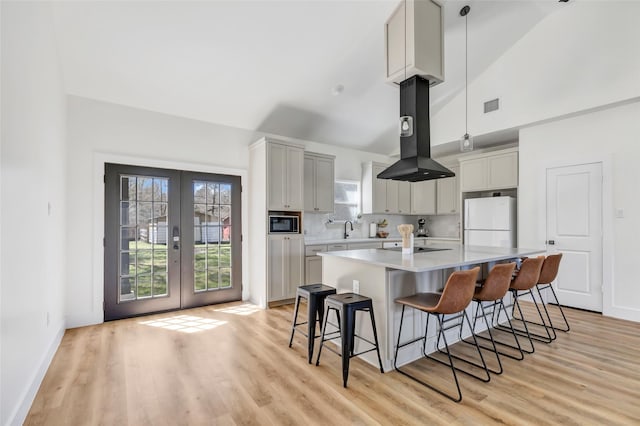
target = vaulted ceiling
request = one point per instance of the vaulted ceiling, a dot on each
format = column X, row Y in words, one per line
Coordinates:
column 270, row 66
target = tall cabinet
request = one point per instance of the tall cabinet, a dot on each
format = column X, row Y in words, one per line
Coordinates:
column 276, row 179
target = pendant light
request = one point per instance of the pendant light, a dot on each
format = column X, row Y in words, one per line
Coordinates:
column 406, row 121
column 466, row 141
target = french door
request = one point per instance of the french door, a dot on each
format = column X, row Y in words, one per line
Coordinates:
column 172, row 240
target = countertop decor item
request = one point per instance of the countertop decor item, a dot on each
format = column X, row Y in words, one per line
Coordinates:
column 406, row 232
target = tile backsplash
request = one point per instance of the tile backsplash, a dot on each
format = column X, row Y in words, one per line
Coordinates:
column 316, row 225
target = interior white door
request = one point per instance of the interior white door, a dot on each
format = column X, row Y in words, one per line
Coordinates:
column 574, row 228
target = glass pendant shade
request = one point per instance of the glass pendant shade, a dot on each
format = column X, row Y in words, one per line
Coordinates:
column 466, row 143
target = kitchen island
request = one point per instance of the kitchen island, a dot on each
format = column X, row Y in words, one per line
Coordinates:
column 384, row 275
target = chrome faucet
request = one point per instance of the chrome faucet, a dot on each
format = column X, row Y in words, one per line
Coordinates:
column 346, row 234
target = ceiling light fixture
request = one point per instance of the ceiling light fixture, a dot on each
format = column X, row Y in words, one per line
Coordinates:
column 466, row 141
column 337, row 90
column 406, row 121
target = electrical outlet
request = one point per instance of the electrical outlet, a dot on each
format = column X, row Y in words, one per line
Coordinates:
column 48, row 319
column 356, row 286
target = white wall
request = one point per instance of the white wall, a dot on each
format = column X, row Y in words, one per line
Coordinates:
column 583, row 56
column 612, row 137
column 101, row 132
column 33, row 176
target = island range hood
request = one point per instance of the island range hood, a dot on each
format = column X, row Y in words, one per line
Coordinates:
column 415, row 162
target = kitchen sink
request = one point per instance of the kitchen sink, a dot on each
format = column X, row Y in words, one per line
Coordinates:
column 418, row 249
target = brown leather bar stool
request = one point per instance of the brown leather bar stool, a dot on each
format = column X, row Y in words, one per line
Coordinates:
column 522, row 284
column 548, row 274
column 487, row 299
column 456, row 296
column 346, row 305
column 315, row 295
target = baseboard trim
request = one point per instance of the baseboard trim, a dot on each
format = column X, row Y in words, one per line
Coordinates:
column 84, row 319
column 628, row 314
column 26, row 400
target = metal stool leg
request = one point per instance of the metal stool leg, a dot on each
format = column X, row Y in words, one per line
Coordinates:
column 295, row 318
column 324, row 328
column 348, row 329
column 312, row 309
column 375, row 338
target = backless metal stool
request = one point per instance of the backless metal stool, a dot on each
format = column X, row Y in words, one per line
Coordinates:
column 346, row 305
column 315, row 295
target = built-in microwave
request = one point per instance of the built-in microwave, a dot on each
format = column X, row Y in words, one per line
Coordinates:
column 283, row 224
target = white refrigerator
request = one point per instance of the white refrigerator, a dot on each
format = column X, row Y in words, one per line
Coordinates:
column 490, row 221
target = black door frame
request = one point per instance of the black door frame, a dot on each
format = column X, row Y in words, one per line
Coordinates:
column 190, row 299
column 181, row 293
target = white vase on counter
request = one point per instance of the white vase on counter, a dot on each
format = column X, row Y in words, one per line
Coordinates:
column 407, row 246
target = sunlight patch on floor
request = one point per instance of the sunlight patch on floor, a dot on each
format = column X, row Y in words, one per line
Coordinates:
column 244, row 309
column 185, row 323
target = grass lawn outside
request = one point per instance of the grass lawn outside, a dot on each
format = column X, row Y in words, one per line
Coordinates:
column 212, row 269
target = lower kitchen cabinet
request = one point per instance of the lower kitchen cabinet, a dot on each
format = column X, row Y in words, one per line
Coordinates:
column 313, row 270
column 286, row 266
column 313, row 262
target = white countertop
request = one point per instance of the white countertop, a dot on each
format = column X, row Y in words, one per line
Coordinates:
column 455, row 256
column 320, row 241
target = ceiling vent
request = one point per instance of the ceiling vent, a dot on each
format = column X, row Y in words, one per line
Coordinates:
column 492, row 105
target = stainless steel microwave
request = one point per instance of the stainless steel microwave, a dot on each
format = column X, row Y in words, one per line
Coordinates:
column 281, row 224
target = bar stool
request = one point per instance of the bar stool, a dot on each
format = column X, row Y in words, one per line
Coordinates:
column 315, row 295
column 522, row 284
column 456, row 296
column 487, row 299
column 548, row 274
column 346, row 305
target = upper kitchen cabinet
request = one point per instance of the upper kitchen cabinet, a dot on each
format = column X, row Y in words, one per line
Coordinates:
column 404, row 197
column 318, row 183
column 285, row 172
column 383, row 195
column 448, row 191
column 423, row 197
column 489, row 171
column 414, row 44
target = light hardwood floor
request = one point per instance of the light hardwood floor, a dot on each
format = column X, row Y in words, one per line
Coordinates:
column 239, row 370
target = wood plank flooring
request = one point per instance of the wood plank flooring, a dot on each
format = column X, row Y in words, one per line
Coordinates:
column 239, row 370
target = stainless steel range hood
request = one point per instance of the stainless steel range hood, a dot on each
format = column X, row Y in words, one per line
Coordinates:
column 415, row 162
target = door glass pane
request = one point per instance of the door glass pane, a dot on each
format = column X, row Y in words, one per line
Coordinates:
column 212, row 235
column 225, row 277
column 145, row 189
column 143, row 237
